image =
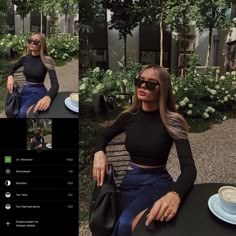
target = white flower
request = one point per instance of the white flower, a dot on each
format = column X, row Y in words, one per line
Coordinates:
column 222, row 89
column 226, row 99
column 82, row 87
column 182, row 103
column 177, row 106
column 125, row 81
column 189, row 112
column 190, row 105
column 205, row 115
column 217, row 86
column 224, row 118
column 222, row 77
column 213, row 91
column 233, row 73
column 211, row 96
column 227, row 73
column 233, row 83
column 186, row 100
column 109, row 72
column 96, row 70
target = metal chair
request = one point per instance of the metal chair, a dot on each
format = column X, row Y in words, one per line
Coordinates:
column 19, row 78
column 119, row 158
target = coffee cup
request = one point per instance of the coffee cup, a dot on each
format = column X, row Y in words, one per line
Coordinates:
column 227, row 195
column 74, row 99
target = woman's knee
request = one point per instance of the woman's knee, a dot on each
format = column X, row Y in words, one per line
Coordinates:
column 136, row 219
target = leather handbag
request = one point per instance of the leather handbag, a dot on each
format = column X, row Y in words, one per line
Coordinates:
column 104, row 206
column 12, row 104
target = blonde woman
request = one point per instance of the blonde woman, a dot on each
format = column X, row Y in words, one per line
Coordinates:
column 36, row 64
column 151, row 126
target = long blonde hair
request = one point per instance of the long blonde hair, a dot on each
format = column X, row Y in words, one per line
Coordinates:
column 173, row 121
column 46, row 59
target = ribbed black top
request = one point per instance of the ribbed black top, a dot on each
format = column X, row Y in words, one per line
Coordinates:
column 35, row 72
column 148, row 143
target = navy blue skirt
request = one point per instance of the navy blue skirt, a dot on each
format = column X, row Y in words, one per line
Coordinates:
column 140, row 188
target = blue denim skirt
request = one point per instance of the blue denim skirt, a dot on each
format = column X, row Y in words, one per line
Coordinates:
column 140, row 188
column 30, row 94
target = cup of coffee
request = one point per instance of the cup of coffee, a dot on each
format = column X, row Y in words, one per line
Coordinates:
column 74, row 99
column 227, row 195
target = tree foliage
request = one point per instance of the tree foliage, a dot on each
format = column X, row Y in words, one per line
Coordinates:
column 125, row 16
column 210, row 15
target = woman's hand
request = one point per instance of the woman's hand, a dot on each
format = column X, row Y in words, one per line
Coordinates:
column 164, row 209
column 99, row 167
column 10, row 83
column 43, row 104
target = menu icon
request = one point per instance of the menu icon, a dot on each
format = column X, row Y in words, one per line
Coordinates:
column 7, row 159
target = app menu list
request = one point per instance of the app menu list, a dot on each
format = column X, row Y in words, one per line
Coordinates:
column 39, row 191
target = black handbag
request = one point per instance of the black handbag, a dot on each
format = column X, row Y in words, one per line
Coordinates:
column 104, row 207
column 12, row 104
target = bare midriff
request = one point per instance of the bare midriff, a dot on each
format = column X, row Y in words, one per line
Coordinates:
column 147, row 167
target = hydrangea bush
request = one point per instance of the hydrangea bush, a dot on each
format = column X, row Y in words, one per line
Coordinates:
column 63, row 47
column 200, row 95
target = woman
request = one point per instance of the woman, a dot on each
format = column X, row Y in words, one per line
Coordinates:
column 36, row 64
column 151, row 125
column 37, row 141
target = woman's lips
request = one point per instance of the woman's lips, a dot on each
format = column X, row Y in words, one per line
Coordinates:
column 142, row 93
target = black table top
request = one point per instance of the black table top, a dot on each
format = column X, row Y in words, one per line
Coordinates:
column 58, row 109
column 194, row 218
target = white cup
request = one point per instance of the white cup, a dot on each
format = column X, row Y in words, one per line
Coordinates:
column 74, row 99
column 227, row 196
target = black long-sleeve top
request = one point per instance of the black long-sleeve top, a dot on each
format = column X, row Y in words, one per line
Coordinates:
column 35, row 72
column 148, row 143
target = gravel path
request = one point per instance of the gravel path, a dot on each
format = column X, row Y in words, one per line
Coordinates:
column 214, row 152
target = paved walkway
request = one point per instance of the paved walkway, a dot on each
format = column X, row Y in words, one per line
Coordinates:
column 67, row 77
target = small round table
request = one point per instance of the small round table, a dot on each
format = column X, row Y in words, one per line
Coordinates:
column 193, row 218
column 58, row 109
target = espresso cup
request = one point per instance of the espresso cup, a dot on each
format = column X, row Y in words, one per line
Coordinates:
column 227, row 195
column 74, row 99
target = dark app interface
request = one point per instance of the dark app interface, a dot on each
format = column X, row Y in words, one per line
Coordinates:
column 39, row 182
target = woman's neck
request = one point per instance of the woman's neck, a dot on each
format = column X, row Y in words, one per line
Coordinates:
column 35, row 53
column 149, row 106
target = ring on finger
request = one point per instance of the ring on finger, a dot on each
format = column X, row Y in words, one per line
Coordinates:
column 164, row 217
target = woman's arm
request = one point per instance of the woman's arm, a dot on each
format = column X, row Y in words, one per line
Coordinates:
column 11, row 70
column 188, row 169
column 166, row 207
column 54, row 84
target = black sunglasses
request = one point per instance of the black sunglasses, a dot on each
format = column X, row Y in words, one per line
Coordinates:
column 150, row 85
column 34, row 41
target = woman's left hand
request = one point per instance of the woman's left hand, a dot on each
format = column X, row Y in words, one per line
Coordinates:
column 164, row 209
column 43, row 104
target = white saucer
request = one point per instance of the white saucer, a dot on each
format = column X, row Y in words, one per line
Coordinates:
column 216, row 208
column 70, row 105
column 49, row 145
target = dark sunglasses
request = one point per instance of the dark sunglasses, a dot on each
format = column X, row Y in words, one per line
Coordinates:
column 34, row 41
column 150, row 85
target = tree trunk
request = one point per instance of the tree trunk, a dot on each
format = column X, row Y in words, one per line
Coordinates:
column 65, row 25
column 161, row 41
column 125, row 51
column 23, row 28
column 41, row 22
column 209, row 48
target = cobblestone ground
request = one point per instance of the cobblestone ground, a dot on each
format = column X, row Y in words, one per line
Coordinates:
column 68, row 77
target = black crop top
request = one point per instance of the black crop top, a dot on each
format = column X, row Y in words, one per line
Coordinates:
column 149, row 143
column 35, row 72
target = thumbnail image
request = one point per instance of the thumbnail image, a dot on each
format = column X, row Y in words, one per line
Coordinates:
column 39, row 134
